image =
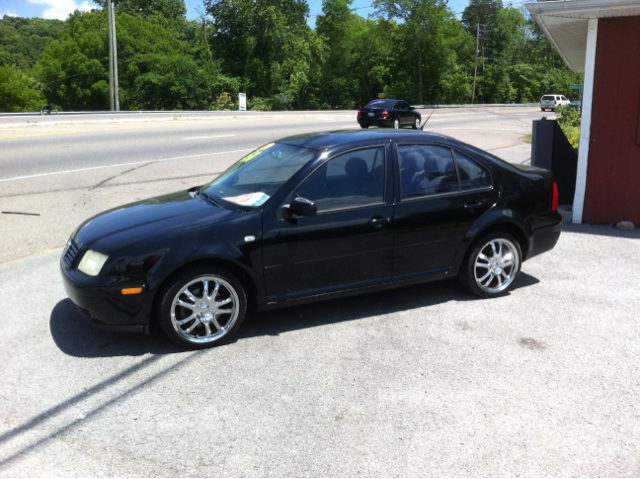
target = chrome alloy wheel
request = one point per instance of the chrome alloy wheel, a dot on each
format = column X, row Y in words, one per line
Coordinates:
column 496, row 265
column 205, row 309
column 417, row 123
column 396, row 124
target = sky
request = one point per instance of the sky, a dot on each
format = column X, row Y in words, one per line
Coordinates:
column 60, row 9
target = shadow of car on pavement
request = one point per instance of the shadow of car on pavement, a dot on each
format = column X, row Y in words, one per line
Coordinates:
column 76, row 337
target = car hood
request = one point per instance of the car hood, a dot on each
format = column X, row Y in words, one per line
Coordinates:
column 159, row 216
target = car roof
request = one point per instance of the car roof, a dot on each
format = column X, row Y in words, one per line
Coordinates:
column 326, row 140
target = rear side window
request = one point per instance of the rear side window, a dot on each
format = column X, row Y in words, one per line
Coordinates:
column 349, row 180
column 426, row 170
column 472, row 175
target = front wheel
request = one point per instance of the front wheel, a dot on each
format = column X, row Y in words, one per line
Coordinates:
column 492, row 266
column 396, row 124
column 203, row 306
column 416, row 124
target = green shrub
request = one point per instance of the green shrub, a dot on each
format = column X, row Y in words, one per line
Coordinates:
column 569, row 120
column 258, row 104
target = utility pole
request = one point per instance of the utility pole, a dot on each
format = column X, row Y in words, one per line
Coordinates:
column 475, row 71
column 111, row 103
column 116, row 90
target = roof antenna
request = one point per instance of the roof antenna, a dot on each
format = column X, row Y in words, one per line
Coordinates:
column 422, row 127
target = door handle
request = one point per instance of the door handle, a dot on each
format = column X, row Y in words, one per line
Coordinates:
column 378, row 221
column 473, row 204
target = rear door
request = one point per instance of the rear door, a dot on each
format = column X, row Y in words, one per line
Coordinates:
column 442, row 194
column 404, row 110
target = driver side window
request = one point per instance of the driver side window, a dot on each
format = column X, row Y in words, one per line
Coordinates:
column 350, row 180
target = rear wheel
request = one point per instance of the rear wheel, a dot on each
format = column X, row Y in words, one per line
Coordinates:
column 203, row 306
column 492, row 266
column 364, row 127
column 542, row 109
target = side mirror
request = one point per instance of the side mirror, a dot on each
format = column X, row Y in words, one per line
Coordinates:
column 301, row 207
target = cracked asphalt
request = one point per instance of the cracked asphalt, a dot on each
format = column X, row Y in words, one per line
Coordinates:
column 419, row 381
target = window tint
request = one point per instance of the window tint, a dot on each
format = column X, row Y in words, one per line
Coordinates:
column 563, row 98
column 380, row 104
column 472, row 175
column 347, row 181
column 548, row 97
column 426, row 170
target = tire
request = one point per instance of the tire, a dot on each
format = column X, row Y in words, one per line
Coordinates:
column 491, row 271
column 364, row 127
column 396, row 124
column 193, row 322
column 416, row 124
column 542, row 109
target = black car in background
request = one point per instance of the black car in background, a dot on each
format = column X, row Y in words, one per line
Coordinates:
column 389, row 113
column 306, row 218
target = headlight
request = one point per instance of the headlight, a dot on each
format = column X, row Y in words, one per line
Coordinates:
column 92, row 262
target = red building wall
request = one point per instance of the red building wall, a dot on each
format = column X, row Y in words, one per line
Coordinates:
column 613, row 173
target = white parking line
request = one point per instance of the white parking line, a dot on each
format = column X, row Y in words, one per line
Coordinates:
column 207, row 137
column 121, row 164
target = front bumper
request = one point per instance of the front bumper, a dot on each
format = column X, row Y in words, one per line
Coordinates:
column 105, row 306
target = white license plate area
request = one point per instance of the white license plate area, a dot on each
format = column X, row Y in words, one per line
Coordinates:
column 370, row 114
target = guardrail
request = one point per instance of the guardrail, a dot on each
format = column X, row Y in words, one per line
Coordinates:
column 478, row 105
column 32, row 118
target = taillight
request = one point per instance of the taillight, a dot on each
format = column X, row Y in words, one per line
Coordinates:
column 385, row 114
column 555, row 102
column 359, row 112
column 554, row 205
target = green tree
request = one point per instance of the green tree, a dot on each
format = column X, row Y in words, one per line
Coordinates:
column 422, row 19
column 22, row 40
column 18, row 91
column 156, row 69
column 269, row 45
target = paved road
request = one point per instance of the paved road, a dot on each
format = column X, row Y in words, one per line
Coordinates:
column 69, row 172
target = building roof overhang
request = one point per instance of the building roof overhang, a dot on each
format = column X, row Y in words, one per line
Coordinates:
column 564, row 23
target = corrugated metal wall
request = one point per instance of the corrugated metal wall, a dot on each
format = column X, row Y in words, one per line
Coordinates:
column 613, row 174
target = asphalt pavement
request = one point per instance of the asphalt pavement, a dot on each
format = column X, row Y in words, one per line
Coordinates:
column 419, row 381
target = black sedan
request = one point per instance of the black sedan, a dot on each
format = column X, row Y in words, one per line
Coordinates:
column 389, row 113
column 311, row 217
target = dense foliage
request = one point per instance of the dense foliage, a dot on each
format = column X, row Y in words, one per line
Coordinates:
column 411, row 49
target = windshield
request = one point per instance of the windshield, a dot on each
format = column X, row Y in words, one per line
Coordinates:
column 259, row 175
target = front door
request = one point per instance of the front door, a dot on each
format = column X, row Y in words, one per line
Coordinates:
column 348, row 244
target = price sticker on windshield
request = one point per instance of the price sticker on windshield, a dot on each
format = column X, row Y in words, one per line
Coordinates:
column 253, row 154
